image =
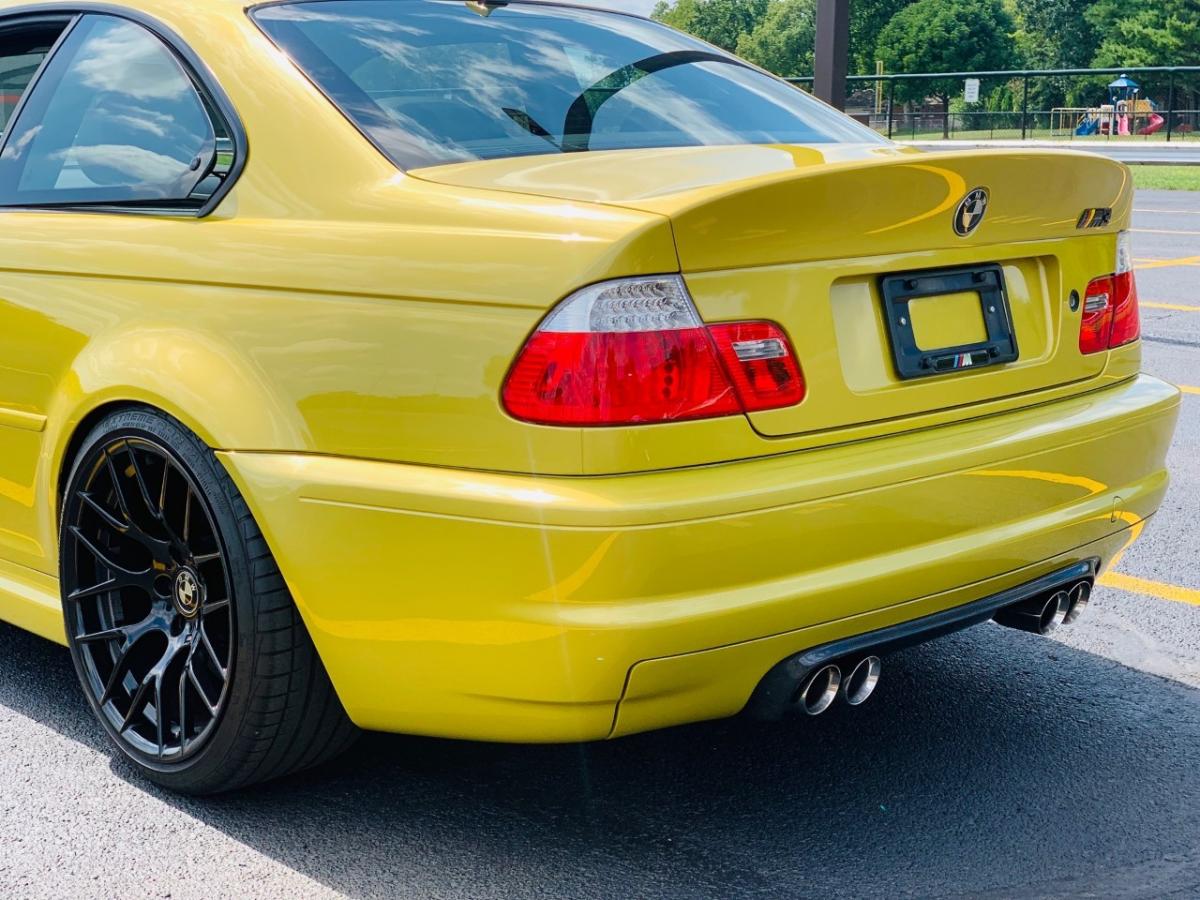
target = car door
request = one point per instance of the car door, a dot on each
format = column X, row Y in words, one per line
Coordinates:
column 112, row 123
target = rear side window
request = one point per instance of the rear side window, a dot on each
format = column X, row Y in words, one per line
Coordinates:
column 114, row 119
column 436, row 82
column 23, row 47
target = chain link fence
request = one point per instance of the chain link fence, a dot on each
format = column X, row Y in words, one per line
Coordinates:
column 1086, row 105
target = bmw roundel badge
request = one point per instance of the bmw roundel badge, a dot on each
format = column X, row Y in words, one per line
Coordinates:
column 971, row 210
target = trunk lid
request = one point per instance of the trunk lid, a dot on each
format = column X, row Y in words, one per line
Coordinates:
column 808, row 237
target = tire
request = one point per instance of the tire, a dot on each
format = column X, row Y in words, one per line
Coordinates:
column 186, row 641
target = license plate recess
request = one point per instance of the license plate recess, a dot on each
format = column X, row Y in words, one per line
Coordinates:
column 913, row 361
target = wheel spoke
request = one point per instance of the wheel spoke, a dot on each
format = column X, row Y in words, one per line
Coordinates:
column 109, row 519
column 213, row 607
column 128, row 528
column 158, row 714
column 141, row 483
column 137, row 703
column 183, row 735
column 187, row 516
column 107, row 634
column 155, row 510
column 191, row 674
column 118, row 491
column 162, row 491
column 206, row 558
column 103, row 587
column 212, row 653
column 117, row 674
column 102, row 557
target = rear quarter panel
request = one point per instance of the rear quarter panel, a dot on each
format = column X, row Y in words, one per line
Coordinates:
column 330, row 304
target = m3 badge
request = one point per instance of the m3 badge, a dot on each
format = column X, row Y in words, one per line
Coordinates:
column 1097, row 217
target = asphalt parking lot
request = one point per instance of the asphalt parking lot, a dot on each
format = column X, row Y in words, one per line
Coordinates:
column 990, row 763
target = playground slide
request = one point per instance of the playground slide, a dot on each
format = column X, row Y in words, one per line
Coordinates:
column 1088, row 127
column 1156, row 122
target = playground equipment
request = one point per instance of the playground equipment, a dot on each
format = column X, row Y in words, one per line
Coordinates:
column 1125, row 113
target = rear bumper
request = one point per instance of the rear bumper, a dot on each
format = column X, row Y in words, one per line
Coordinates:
column 513, row 607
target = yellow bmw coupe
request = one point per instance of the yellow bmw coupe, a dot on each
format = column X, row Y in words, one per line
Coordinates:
column 520, row 372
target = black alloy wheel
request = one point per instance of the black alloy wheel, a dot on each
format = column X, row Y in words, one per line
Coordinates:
column 149, row 604
column 185, row 638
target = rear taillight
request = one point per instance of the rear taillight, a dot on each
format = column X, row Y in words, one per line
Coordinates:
column 1096, row 325
column 635, row 351
column 1110, row 306
column 759, row 359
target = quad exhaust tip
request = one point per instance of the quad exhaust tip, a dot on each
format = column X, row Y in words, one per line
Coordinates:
column 1044, row 613
column 1054, row 611
column 820, row 690
column 1080, row 594
column 859, row 685
column 855, row 685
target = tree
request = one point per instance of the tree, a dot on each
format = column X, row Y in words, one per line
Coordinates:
column 1053, row 34
column 719, row 22
column 946, row 36
column 867, row 19
column 782, row 42
column 1146, row 32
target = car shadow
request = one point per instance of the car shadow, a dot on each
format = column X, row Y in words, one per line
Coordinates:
column 989, row 761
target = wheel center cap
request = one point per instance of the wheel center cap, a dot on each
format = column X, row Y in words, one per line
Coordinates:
column 189, row 592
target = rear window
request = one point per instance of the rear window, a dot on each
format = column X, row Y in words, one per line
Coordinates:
column 441, row 81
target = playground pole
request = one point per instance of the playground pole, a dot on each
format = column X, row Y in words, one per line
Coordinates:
column 891, row 103
column 1170, row 103
column 1024, row 105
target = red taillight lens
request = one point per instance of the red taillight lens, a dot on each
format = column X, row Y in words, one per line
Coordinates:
column 1110, row 306
column 761, row 363
column 1126, row 321
column 635, row 351
column 1096, row 325
column 614, row 378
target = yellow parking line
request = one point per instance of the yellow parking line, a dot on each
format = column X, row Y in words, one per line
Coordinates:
column 1166, row 263
column 1188, row 389
column 1161, row 231
column 1157, row 589
column 1182, row 212
column 1179, row 307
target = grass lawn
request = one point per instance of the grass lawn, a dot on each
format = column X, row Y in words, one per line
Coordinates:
column 1036, row 134
column 1167, row 178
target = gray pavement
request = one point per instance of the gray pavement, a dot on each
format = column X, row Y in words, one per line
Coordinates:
column 991, row 763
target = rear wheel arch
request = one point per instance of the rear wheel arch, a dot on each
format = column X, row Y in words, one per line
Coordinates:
column 197, row 379
column 74, row 443
column 73, row 437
